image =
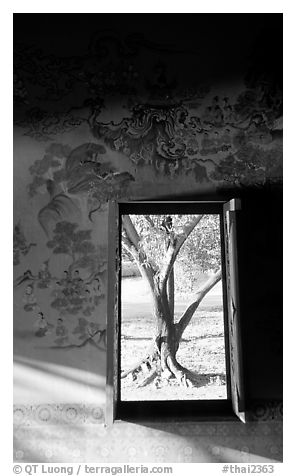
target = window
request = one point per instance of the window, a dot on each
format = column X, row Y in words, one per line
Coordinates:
column 173, row 247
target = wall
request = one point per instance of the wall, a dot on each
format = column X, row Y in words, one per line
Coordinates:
column 129, row 106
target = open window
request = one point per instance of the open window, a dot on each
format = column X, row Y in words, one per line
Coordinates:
column 173, row 330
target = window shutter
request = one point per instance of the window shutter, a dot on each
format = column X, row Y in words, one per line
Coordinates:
column 112, row 313
column 235, row 348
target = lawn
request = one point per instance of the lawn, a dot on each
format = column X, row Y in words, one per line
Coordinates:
column 201, row 349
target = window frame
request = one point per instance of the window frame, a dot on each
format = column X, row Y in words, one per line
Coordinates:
column 140, row 411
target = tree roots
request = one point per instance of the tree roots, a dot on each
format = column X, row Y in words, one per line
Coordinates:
column 153, row 369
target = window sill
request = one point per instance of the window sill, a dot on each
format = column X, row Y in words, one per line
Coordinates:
column 178, row 411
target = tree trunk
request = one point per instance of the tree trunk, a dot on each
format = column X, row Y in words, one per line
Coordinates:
column 171, row 291
column 162, row 356
column 167, row 340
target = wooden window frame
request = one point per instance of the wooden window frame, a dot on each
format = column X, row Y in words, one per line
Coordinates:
column 231, row 408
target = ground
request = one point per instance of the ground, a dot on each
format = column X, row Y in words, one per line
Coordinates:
column 201, row 349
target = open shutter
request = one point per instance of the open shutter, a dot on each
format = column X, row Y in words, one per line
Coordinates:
column 235, row 348
column 112, row 312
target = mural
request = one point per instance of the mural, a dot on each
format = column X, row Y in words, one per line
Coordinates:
column 121, row 119
column 175, row 141
column 20, row 245
column 158, row 137
column 77, row 292
column 77, row 181
column 195, row 134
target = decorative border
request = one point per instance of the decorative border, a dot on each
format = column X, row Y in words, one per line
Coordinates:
column 265, row 410
column 70, row 413
column 73, row 413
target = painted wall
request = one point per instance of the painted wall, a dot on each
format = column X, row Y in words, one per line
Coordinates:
column 132, row 107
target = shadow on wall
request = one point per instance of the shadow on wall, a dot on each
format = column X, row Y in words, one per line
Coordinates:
column 74, row 355
column 37, row 382
column 228, row 441
column 129, row 443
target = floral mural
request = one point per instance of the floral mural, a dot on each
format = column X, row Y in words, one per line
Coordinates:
column 77, row 292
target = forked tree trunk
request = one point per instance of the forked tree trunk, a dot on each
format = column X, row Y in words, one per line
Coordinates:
column 168, row 336
column 161, row 358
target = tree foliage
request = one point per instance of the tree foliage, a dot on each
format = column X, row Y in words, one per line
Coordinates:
column 200, row 253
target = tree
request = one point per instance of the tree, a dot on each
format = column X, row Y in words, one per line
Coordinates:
column 155, row 242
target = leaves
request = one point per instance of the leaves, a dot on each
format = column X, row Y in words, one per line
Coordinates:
column 200, row 253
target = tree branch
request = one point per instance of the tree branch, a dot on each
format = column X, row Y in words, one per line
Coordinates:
column 187, row 230
column 201, row 292
column 149, row 220
column 175, row 244
column 131, row 244
column 130, row 230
